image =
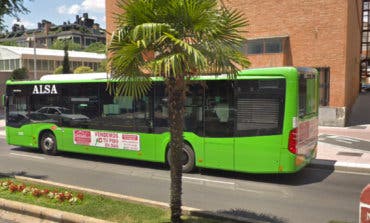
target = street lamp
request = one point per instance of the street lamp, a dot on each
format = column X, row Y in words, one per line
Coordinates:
column 34, row 57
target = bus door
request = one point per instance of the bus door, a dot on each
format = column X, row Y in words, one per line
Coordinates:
column 219, row 125
column 259, row 122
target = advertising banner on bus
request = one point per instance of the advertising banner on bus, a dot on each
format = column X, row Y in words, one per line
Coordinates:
column 107, row 139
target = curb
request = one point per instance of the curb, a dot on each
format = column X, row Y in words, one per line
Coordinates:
column 340, row 166
column 62, row 216
column 46, row 213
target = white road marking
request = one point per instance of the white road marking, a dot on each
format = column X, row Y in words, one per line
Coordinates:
column 350, row 139
column 250, row 191
column 211, row 181
column 338, row 138
column 29, row 156
column 352, row 172
column 343, row 141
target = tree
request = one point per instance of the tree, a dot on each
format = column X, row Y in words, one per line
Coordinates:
column 60, row 44
column 97, row 47
column 102, row 67
column 66, row 69
column 82, row 70
column 12, row 8
column 176, row 40
column 19, row 74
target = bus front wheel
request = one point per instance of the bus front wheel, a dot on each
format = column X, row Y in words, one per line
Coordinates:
column 48, row 143
column 187, row 158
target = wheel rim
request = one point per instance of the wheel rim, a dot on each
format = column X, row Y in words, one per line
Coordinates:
column 48, row 143
column 184, row 158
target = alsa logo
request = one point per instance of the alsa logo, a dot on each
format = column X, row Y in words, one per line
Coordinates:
column 44, row 89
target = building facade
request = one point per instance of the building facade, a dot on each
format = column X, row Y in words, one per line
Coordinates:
column 316, row 33
column 83, row 31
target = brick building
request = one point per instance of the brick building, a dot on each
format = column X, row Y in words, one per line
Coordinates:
column 325, row 34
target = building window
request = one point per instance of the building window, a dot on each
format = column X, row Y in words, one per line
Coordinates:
column 324, row 73
column 2, row 66
column 77, row 39
column 266, row 45
column 51, row 65
column 255, row 47
column 38, row 64
column 11, row 65
column 273, row 45
column 31, row 64
column 89, row 41
column 6, row 64
column 17, row 64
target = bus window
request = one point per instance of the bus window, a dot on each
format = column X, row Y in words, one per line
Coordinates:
column 307, row 95
column 218, row 111
column 194, row 109
column 260, row 107
column 142, row 114
column 160, row 109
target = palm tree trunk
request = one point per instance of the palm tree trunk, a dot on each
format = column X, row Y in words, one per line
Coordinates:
column 176, row 93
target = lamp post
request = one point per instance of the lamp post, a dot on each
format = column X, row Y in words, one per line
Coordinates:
column 34, row 57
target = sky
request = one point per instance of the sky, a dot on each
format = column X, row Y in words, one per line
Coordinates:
column 58, row 11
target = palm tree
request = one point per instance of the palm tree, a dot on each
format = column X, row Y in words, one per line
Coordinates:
column 176, row 40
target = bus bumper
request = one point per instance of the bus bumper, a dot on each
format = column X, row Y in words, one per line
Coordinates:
column 303, row 160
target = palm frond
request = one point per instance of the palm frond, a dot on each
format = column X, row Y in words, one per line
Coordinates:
column 134, row 86
column 169, row 65
column 149, row 32
column 196, row 57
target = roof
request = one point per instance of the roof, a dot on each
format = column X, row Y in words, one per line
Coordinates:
column 64, row 77
column 49, row 52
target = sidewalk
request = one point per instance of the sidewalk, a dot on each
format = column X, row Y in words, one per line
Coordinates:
column 347, row 148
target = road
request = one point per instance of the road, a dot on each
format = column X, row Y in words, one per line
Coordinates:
column 312, row 195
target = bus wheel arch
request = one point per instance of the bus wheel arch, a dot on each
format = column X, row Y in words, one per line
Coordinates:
column 48, row 142
column 188, row 159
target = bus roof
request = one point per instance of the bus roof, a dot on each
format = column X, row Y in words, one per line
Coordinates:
column 68, row 77
column 103, row 77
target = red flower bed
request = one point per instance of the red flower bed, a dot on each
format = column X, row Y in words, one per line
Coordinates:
column 36, row 192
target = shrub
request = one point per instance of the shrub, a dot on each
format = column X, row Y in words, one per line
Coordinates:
column 82, row 70
column 58, row 70
column 19, row 74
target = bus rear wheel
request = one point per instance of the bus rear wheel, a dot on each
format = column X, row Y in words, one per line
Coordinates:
column 48, row 143
column 187, row 158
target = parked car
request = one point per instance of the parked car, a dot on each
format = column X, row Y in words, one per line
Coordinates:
column 63, row 114
column 19, row 118
column 365, row 83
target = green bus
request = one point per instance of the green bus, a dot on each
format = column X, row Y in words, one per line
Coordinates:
column 263, row 121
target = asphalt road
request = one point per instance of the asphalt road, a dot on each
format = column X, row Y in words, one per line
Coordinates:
column 312, row 195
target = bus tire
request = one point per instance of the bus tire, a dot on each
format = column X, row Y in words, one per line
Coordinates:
column 48, row 143
column 188, row 158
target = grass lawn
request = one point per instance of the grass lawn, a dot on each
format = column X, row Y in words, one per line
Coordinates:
column 91, row 205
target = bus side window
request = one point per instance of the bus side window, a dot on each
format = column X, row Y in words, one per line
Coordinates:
column 160, row 109
column 219, row 115
column 260, row 107
column 194, row 109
